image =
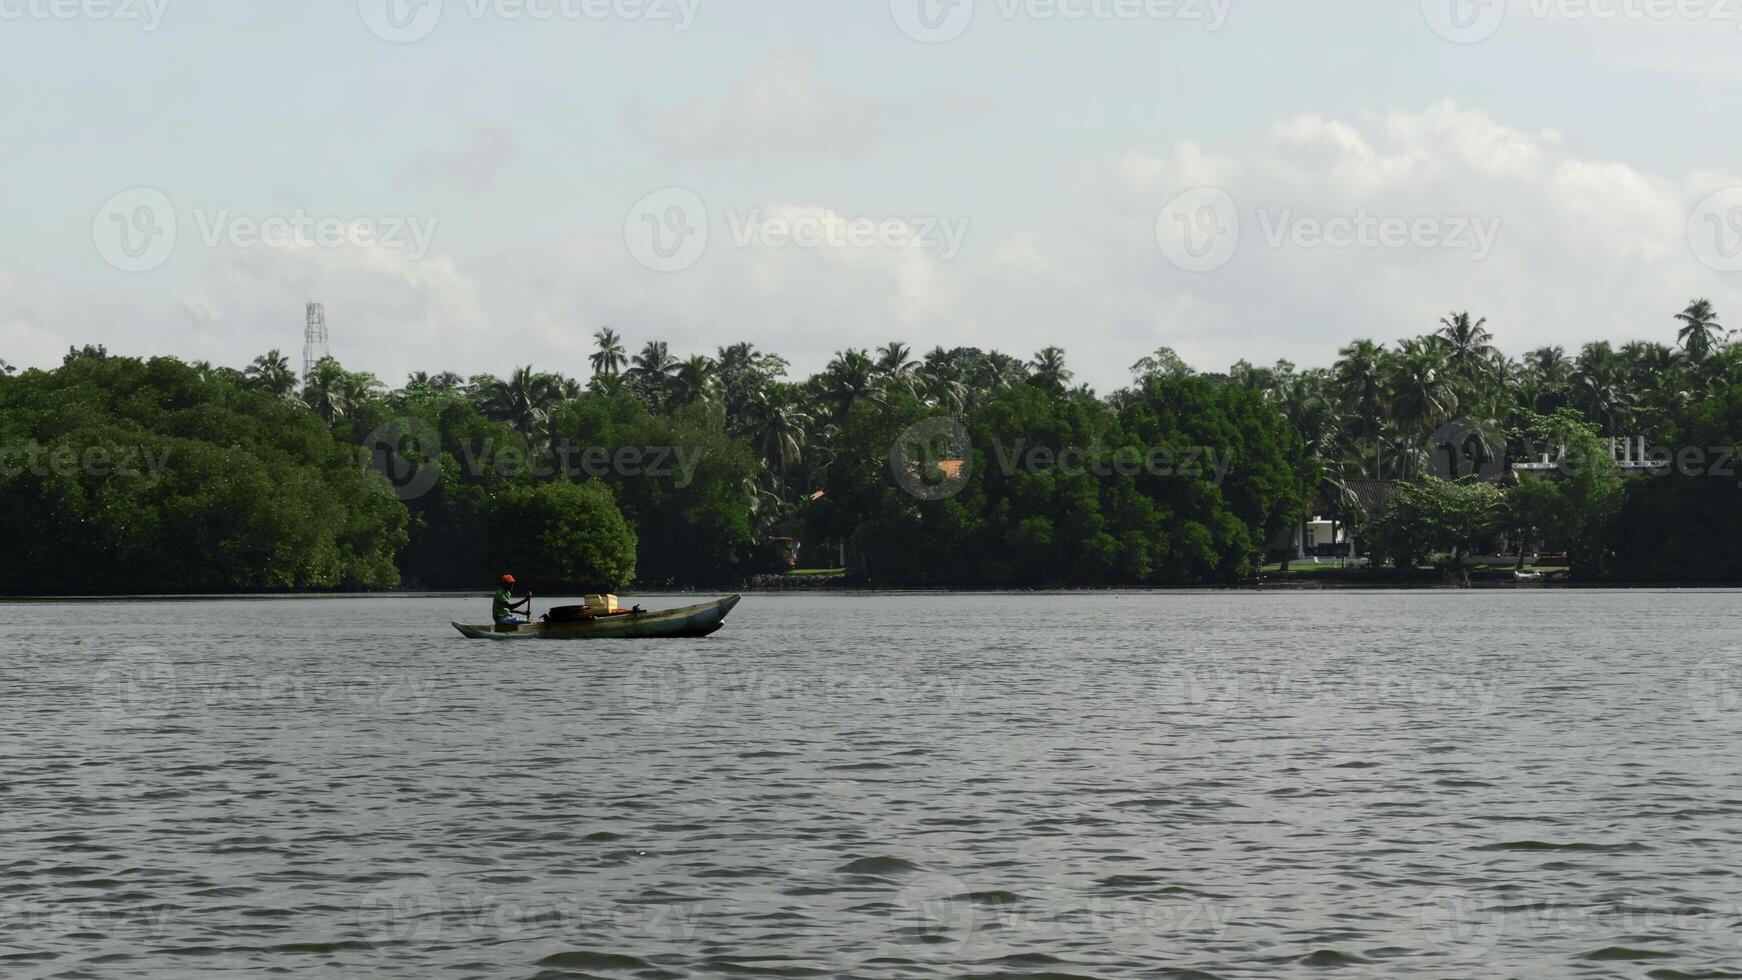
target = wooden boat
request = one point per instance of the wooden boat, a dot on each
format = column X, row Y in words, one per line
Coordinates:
column 690, row 621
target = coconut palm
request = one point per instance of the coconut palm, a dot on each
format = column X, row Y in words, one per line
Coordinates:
column 1700, row 333
column 1049, row 368
column 896, row 367
column 849, row 379
column 271, row 372
column 1469, row 351
column 1003, row 371
column 943, row 381
column 610, row 358
column 1423, row 389
column 1358, row 379
column 567, row 388
column 694, row 380
column 778, row 432
column 328, row 391
column 1550, row 365
column 651, row 370
column 444, row 383
column 742, row 373
column 1601, row 388
column 524, row 400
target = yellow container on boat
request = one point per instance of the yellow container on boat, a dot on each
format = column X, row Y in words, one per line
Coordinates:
column 600, row 604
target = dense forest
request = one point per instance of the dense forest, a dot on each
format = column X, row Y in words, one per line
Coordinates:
column 127, row 475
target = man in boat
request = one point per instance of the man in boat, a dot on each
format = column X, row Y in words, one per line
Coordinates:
column 503, row 608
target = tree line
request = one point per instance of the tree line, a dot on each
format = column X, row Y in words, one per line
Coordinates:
column 338, row 481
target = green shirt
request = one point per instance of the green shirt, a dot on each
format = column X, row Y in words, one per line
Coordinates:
column 500, row 608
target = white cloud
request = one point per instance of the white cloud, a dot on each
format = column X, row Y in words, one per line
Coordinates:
column 1586, row 249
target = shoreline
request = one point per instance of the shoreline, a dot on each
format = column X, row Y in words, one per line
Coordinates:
column 869, row 590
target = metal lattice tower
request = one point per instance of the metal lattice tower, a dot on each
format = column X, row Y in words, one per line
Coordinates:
column 314, row 347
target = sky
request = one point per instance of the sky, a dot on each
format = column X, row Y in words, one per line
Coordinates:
column 471, row 185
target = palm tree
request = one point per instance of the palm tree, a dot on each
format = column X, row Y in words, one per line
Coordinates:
column 1700, row 333
column 566, row 388
column 6, row 368
column 610, row 358
column 942, row 381
column 1550, row 364
column 1469, row 353
column 524, row 400
column 743, row 374
column 999, row 370
column 850, row 378
column 693, row 381
column 1359, row 381
column 271, row 372
column 779, row 435
column 1601, row 388
column 896, row 367
column 1423, row 391
column 328, row 391
column 651, row 370
column 1049, row 367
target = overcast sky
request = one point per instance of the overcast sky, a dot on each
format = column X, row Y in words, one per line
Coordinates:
column 483, row 187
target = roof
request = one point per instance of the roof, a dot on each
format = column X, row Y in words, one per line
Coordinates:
column 1373, row 493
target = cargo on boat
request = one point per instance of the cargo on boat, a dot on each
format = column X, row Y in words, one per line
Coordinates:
column 594, row 622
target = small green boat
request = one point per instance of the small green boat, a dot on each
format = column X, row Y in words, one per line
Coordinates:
column 691, row 621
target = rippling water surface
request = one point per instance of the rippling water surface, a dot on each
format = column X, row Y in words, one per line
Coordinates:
column 1518, row 783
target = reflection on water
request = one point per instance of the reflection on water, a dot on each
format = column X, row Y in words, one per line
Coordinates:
column 1188, row 785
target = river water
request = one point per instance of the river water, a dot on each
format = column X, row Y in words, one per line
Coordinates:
column 1495, row 783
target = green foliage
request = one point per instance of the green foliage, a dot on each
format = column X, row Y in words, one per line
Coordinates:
column 1436, row 517
column 713, row 463
column 133, row 476
column 563, row 536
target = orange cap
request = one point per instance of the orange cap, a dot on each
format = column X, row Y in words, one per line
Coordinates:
column 507, row 580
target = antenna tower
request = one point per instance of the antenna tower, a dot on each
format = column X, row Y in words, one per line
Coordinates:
column 314, row 347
